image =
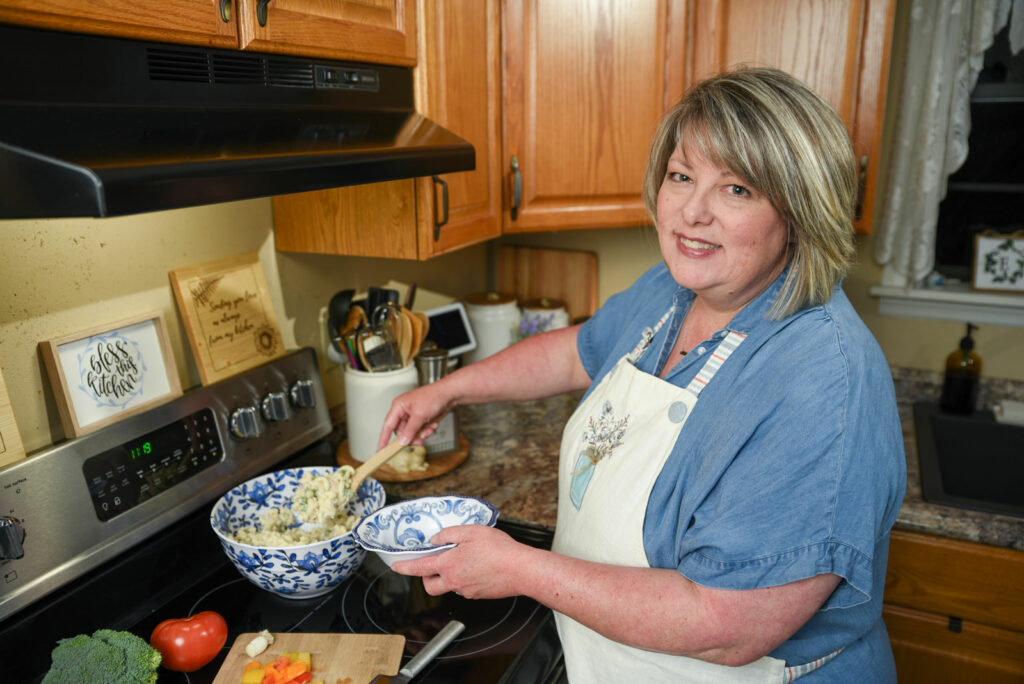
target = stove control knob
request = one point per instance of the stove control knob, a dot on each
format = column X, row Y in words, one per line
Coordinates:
column 275, row 407
column 303, row 395
column 245, row 423
column 12, row 534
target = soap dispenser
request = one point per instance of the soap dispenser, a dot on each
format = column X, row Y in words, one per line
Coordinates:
column 963, row 368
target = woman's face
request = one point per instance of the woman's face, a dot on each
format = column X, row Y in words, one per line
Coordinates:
column 719, row 237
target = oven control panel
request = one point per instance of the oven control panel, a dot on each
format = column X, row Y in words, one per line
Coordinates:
column 139, row 469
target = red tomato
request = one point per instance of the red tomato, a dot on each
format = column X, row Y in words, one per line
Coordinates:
column 187, row 644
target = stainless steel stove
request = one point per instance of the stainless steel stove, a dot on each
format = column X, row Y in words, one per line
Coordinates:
column 112, row 530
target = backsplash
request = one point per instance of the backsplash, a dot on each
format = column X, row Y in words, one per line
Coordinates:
column 921, row 385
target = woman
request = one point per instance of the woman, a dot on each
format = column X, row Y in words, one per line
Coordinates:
column 729, row 480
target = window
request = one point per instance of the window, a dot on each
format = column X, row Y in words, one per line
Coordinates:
column 987, row 192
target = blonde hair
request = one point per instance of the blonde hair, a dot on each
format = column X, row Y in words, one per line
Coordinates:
column 787, row 143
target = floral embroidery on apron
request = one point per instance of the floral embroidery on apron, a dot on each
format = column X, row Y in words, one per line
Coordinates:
column 601, row 436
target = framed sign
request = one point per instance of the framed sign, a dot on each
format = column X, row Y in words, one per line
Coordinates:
column 998, row 262
column 11, row 448
column 106, row 373
column 228, row 316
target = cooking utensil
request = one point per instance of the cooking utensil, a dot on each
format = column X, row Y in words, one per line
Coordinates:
column 334, row 656
column 429, row 652
column 406, row 336
column 355, row 319
column 374, row 462
column 337, row 309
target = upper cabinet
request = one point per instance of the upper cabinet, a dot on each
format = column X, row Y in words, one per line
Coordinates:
column 586, row 83
column 196, row 22
column 458, row 85
column 383, row 31
column 841, row 49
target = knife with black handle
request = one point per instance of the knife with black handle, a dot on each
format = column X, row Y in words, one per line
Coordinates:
column 429, row 652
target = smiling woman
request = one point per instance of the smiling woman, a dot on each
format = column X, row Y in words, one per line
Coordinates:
column 750, row 542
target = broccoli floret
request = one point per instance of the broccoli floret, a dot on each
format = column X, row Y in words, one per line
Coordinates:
column 106, row 656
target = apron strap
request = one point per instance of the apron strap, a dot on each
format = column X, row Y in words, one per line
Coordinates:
column 798, row 671
column 715, row 361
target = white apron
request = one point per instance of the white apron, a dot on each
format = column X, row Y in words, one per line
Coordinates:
column 613, row 448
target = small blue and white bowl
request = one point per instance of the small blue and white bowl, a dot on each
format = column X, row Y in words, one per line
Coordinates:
column 402, row 531
column 301, row 571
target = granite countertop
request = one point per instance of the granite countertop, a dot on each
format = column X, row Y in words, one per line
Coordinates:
column 513, row 463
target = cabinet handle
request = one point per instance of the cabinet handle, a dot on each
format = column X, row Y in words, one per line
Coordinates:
column 517, row 187
column 261, row 12
column 862, row 184
column 225, row 11
column 444, row 207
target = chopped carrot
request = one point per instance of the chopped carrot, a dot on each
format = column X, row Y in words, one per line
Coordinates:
column 300, row 679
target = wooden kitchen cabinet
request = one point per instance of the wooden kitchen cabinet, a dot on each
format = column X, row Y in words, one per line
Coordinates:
column 382, row 32
column 458, row 85
column 954, row 610
column 841, row 49
column 586, row 83
column 195, row 22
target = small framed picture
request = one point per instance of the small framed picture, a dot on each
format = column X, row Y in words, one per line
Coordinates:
column 998, row 262
column 106, row 373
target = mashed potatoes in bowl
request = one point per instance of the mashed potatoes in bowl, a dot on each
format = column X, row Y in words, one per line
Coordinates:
column 289, row 531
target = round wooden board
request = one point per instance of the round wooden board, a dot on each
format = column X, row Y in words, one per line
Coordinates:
column 437, row 465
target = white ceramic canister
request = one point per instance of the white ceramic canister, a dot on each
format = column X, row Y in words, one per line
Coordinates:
column 541, row 315
column 368, row 398
column 495, row 319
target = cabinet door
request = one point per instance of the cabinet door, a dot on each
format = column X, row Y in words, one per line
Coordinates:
column 458, row 85
column 383, row 31
column 195, row 22
column 586, row 84
column 839, row 48
column 933, row 648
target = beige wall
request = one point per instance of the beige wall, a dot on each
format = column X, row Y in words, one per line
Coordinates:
column 60, row 276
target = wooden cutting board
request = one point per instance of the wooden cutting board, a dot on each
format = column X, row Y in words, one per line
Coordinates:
column 535, row 272
column 335, row 656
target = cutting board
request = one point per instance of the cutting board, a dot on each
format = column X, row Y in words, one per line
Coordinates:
column 535, row 272
column 335, row 656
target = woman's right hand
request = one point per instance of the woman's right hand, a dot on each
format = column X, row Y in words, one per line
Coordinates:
column 414, row 415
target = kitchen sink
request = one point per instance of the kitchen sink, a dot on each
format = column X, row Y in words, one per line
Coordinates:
column 970, row 461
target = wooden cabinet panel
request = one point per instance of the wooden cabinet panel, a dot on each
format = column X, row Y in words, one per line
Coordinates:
column 954, row 610
column 841, row 49
column 382, row 31
column 458, row 81
column 983, row 584
column 195, row 22
column 585, row 85
column 928, row 651
column 458, row 85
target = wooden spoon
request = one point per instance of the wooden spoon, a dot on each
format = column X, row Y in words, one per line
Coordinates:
column 374, row 462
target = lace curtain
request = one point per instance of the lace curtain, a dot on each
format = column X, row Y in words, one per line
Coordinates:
column 945, row 45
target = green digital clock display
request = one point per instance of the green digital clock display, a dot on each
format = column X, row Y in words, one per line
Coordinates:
column 141, row 450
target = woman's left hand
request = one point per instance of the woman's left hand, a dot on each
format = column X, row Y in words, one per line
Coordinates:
column 481, row 566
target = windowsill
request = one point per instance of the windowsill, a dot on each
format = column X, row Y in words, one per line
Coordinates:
column 952, row 302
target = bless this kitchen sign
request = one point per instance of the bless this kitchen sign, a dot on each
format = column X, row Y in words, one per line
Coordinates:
column 113, row 370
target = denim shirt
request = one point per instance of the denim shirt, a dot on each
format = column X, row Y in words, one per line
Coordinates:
column 791, row 464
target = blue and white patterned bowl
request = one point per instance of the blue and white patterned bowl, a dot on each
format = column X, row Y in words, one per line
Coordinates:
column 403, row 530
column 301, row 571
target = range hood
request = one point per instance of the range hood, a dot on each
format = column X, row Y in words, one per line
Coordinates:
column 99, row 126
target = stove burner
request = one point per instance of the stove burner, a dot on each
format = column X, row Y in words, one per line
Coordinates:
column 395, row 603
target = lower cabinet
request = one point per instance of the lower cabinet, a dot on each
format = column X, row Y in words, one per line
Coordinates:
column 954, row 610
